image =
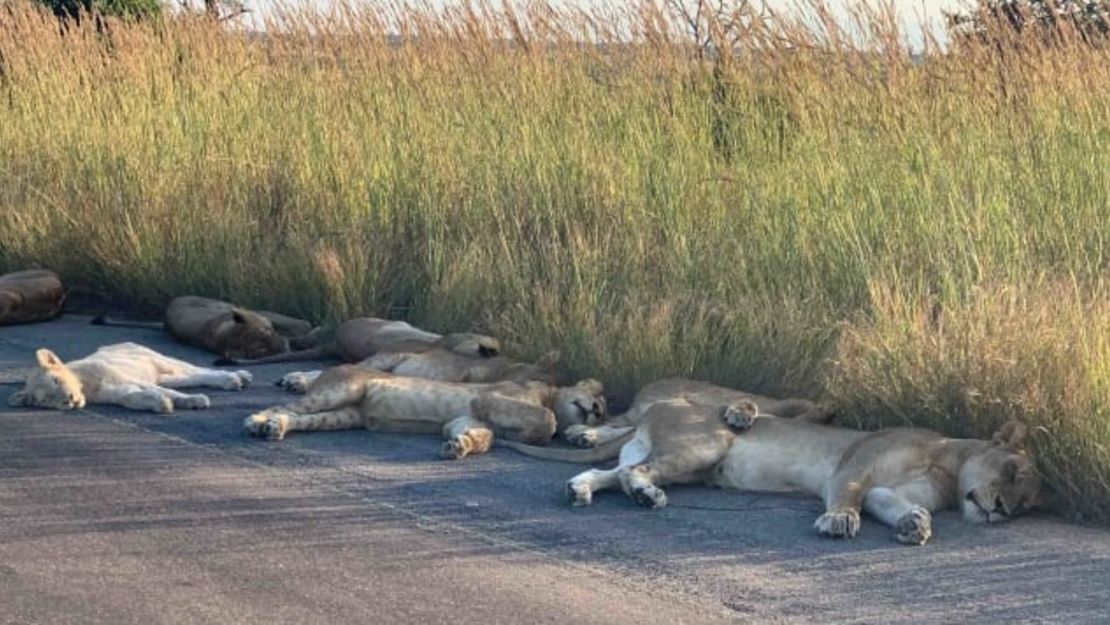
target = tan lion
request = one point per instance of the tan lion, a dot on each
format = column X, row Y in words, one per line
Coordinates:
column 125, row 374
column 363, row 337
column 231, row 331
column 695, row 392
column 468, row 415
column 445, row 366
column 30, row 296
column 898, row 476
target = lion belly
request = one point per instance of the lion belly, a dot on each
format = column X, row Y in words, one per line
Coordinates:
column 780, row 455
column 412, row 400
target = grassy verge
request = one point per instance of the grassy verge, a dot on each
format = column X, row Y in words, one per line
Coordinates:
column 918, row 242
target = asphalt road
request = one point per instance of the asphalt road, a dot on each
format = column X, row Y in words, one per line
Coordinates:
column 112, row 516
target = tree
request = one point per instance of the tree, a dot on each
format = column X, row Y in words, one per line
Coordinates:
column 132, row 9
column 1049, row 20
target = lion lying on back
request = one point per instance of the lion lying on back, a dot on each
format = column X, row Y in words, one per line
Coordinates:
column 898, row 476
column 468, row 415
column 125, row 374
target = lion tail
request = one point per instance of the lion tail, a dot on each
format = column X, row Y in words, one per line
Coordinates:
column 606, row 451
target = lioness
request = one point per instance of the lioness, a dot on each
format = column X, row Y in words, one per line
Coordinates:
column 695, row 392
column 125, row 374
column 898, row 476
column 229, row 330
column 443, row 365
column 468, row 415
column 363, row 337
column 29, row 296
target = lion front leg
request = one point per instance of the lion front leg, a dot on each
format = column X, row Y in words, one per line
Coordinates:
column 148, row 398
column 465, row 436
column 515, row 419
column 298, row 381
column 912, row 523
column 843, row 500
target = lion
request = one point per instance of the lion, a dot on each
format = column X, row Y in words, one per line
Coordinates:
column 445, row 366
column 696, row 392
column 30, row 296
column 124, row 374
column 468, row 415
column 228, row 330
column 363, row 337
column 899, row 476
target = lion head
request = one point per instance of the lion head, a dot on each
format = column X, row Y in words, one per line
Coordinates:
column 50, row 385
column 468, row 344
column 581, row 404
column 999, row 482
column 252, row 336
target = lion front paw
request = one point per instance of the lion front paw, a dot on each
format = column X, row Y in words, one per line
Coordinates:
column 578, row 492
column 454, row 449
column 192, row 402
column 268, row 426
column 838, row 524
column 245, row 378
column 915, row 527
column 581, row 436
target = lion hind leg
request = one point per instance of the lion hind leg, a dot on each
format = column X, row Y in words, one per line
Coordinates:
column 298, row 381
column 465, row 436
column 210, row 378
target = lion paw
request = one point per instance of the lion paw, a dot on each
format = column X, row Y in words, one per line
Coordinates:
column 269, row 426
column 578, row 493
column 581, row 436
column 192, row 402
column 453, row 449
column 739, row 418
column 294, row 383
column 838, row 524
column 915, row 527
column 245, row 377
column 649, row 496
column 162, row 404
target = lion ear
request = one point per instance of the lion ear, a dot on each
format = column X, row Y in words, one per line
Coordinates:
column 238, row 315
column 1011, row 436
column 19, row 398
column 47, row 359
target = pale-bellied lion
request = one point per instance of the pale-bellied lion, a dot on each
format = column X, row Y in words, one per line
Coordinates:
column 30, row 296
column 363, row 337
column 899, row 476
column 124, row 374
column 231, row 331
column 694, row 392
column 445, row 366
column 468, row 415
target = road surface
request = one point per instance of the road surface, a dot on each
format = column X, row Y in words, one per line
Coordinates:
column 112, row 516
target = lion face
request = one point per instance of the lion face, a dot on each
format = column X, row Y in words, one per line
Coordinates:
column 252, row 336
column 581, row 404
column 467, row 344
column 51, row 385
column 999, row 483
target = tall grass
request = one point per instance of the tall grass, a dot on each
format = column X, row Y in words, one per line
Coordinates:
column 918, row 242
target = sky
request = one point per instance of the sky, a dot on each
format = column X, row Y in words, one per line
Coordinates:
column 912, row 12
